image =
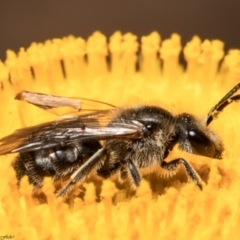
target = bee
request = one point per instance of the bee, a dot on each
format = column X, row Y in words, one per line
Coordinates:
column 109, row 141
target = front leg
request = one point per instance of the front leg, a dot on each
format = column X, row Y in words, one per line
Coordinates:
column 192, row 174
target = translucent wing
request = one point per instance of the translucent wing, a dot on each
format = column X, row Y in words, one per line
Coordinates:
column 67, row 131
column 51, row 102
column 88, row 124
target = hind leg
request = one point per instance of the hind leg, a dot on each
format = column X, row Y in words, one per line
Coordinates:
column 24, row 165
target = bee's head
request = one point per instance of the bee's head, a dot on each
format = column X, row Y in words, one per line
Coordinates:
column 193, row 137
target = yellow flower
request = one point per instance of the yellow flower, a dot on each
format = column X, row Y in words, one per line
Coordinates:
column 118, row 73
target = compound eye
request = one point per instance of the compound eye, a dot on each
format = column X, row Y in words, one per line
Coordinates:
column 200, row 142
column 198, row 137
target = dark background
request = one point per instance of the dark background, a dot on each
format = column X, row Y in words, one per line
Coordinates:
column 25, row 21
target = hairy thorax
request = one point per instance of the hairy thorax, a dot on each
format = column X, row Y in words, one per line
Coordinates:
column 159, row 133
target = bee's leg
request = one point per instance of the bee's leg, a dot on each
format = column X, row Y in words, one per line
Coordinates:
column 134, row 175
column 105, row 171
column 24, row 165
column 130, row 173
column 20, row 169
column 82, row 171
column 192, row 174
column 34, row 176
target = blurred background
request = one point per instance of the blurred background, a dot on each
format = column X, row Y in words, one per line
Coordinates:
column 26, row 21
